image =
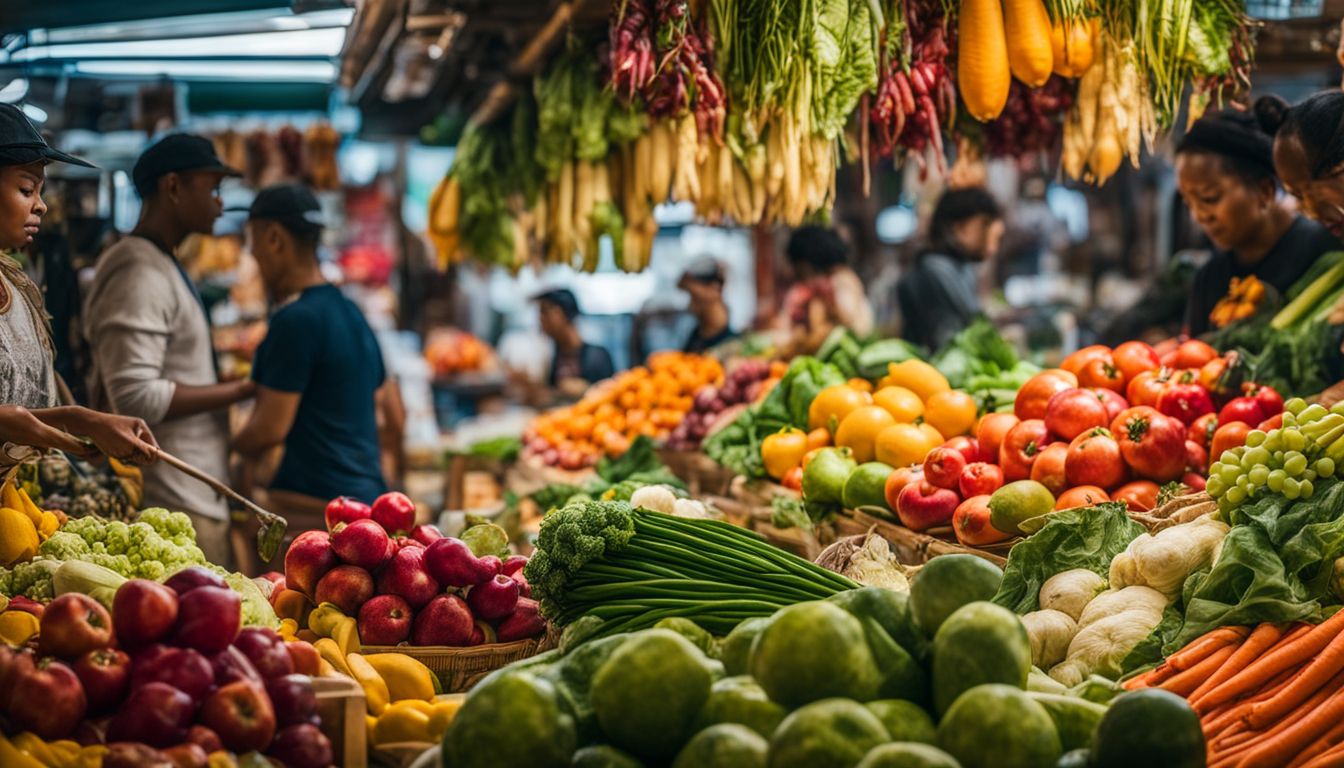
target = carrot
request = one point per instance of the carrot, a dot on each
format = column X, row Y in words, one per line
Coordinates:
column 1284, row 656
column 1227, row 714
column 1144, row 680
column 1186, row 682
column 1200, row 648
column 1320, row 746
column 1311, row 677
column 1263, row 638
column 1304, row 727
column 1331, row 758
column 1235, row 742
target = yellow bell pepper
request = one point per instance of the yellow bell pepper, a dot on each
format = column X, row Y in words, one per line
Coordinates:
column 323, row 619
column 406, row 678
column 288, row 630
column 376, row 695
column 400, row 724
column 444, row 710
column 329, row 652
column 13, row 757
column 17, row 626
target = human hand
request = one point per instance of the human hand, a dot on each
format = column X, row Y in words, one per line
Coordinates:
column 124, row 438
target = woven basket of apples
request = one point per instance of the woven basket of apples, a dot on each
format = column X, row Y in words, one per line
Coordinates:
column 460, row 606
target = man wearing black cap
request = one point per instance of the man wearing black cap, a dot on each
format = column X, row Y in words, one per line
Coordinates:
column 576, row 363
column 319, row 372
column 149, row 336
column 703, row 282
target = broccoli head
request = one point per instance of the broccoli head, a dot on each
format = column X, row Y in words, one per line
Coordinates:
column 570, row 538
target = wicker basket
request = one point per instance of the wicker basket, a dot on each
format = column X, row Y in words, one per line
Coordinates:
column 917, row 548
column 459, row 669
column 341, row 706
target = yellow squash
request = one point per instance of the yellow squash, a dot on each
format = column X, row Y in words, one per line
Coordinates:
column 376, row 695
column 401, row 723
column 1027, row 26
column 406, row 678
column 982, row 61
column 16, row 627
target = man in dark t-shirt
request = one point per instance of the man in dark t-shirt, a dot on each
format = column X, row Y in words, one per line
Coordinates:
column 319, row 372
column 703, row 281
column 576, row 364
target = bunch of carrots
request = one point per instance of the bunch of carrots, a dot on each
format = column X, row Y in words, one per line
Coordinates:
column 1268, row 697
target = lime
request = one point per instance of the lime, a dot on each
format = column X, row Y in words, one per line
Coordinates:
column 1019, row 501
column 866, row 486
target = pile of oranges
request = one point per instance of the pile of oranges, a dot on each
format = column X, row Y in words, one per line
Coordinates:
column 648, row 400
column 449, row 351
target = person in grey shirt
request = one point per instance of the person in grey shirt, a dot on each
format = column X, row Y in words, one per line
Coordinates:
column 938, row 295
column 150, row 338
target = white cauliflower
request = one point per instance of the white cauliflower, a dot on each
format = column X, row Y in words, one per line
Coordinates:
column 1164, row 561
column 1069, row 591
column 1099, row 647
column 1050, row 632
column 690, row 508
column 656, row 498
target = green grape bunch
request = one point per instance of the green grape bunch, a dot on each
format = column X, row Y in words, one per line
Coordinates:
column 1287, row 461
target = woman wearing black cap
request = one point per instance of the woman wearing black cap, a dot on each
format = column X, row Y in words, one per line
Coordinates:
column 28, row 389
column 1225, row 174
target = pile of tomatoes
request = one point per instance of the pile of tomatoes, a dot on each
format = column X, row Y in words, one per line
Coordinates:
column 646, row 400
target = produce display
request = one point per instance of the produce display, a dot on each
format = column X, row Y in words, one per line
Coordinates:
column 79, row 489
column 647, row 400
column 375, row 578
column 744, row 384
column 450, row 351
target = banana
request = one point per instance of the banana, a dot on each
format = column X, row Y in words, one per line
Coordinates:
column 324, row 618
column 12, row 757
column 346, row 634
column 375, row 688
column 330, row 652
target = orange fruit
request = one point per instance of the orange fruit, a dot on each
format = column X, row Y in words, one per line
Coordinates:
column 932, row 434
column 951, row 413
column 863, row 385
column 835, row 403
column 858, row 431
column 901, row 445
column 901, row 403
column 918, row 377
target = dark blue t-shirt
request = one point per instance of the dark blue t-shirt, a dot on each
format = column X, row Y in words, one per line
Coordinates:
column 320, row 346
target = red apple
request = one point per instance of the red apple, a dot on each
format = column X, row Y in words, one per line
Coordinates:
column 302, row 746
column 362, row 543
column 183, row 668
column 344, row 509
column 347, row 586
column 275, row 577
column 923, row 505
column 188, row 579
column 47, row 699
column 127, row 754
column 979, row 479
column 308, row 558
column 394, row 511
column 204, row 738
column 187, row 755
column 405, row 542
column 384, row 620
column 241, row 714
column 968, row 447
column 407, row 577
column 900, row 478
column 105, row 674
column 156, row 714
column 231, row 665
column 14, row 662
column 943, row 466
column 208, row 619
column 426, row 534
column 493, row 599
column 264, row 648
column 478, row 636
column 303, row 656
column 73, row 625
column 524, row 622
column 293, row 699
column 513, row 565
column 445, row 621
column 143, row 612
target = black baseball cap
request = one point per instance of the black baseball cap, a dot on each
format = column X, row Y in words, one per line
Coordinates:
column 21, row 143
column 176, row 153
column 292, row 205
column 562, row 298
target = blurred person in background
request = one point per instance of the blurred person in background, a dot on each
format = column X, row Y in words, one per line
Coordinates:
column 576, row 364
column 703, row 281
column 1225, row 174
column 938, row 296
column 321, row 384
column 826, row 292
column 149, row 336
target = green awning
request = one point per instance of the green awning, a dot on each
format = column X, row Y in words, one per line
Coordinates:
column 19, row 15
column 206, row 96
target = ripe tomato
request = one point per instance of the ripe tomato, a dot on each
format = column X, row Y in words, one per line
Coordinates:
column 1271, row 402
column 1071, row 412
column 1140, row 495
column 1152, row 445
column 943, row 467
column 833, row 404
column 980, row 478
column 793, row 479
column 1273, row 422
column 1081, row 496
column 1211, row 373
column 1114, row 403
column 1036, row 393
column 990, row 432
column 1184, row 399
column 1076, row 362
column 951, row 412
column 1094, row 459
column 968, row 447
column 970, row 523
column 1048, row 469
column 783, row 451
column 1194, row 354
column 1102, row 372
column 1194, row 481
column 1227, row 437
column 898, row 480
column 1202, row 430
column 1135, row 357
column 1145, row 388
column 1020, row 447
column 1196, row 458
column 1247, row 410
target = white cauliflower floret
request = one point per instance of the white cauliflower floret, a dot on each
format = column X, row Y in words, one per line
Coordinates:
column 690, row 508
column 1070, row 591
column 1166, row 560
column 657, row 498
column 1114, row 601
column 1050, row 632
column 1099, row 647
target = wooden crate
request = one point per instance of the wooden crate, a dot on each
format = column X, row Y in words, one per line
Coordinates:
column 703, row 476
column 458, row 669
column 341, row 705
